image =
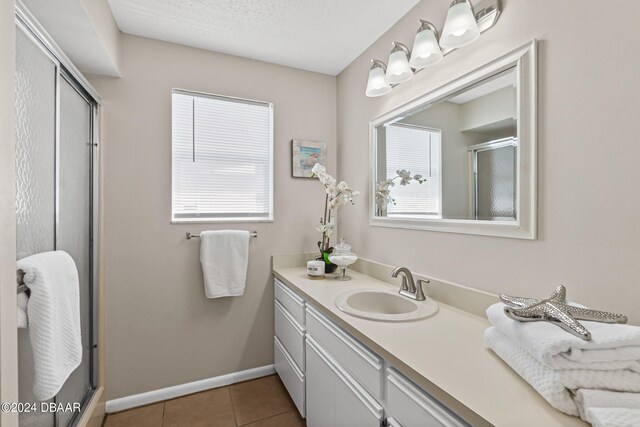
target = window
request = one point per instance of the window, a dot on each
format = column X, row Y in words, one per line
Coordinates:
column 222, row 157
column 417, row 150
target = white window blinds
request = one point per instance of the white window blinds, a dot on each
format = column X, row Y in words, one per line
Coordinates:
column 417, row 150
column 222, row 158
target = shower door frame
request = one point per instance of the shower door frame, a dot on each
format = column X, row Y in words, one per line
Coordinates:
column 473, row 169
column 66, row 70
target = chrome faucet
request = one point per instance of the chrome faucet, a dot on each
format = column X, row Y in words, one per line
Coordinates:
column 408, row 288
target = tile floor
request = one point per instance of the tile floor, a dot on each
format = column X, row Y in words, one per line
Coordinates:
column 263, row 402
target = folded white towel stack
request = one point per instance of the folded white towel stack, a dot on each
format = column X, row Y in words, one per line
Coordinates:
column 598, row 380
column 612, row 346
column 53, row 312
column 602, row 406
column 224, row 255
column 613, row 417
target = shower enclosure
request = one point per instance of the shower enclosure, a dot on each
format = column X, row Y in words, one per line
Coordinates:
column 56, row 159
column 494, row 186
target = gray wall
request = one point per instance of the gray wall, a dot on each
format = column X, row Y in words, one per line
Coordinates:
column 587, row 146
column 489, row 109
column 160, row 328
column 8, row 328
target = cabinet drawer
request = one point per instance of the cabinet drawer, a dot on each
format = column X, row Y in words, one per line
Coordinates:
column 334, row 398
column 290, row 334
column 289, row 300
column 412, row 407
column 291, row 376
column 366, row 367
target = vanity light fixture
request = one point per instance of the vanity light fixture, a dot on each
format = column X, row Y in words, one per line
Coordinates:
column 463, row 26
column 460, row 28
column 426, row 50
column 377, row 84
column 399, row 70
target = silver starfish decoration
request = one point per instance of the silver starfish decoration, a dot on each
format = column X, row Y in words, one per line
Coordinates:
column 556, row 310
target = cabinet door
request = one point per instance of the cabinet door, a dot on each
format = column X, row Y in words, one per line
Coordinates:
column 291, row 301
column 361, row 363
column 292, row 378
column 290, row 334
column 320, row 379
column 412, row 407
column 333, row 397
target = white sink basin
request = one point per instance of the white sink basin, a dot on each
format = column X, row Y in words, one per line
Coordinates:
column 384, row 306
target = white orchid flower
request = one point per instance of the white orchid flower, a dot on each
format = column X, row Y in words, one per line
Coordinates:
column 327, row 228
column 383, row 193
column 331, row 183
column 337, row 193
column 405, row 176
column 318, row 169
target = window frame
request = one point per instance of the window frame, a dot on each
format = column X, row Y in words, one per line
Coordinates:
column 227, row 219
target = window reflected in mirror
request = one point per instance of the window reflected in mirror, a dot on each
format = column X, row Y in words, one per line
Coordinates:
column 453, row 158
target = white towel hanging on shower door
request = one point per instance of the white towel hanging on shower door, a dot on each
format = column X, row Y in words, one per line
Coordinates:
column 53, row 312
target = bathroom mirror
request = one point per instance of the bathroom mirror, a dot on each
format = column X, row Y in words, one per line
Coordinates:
column 461, row 158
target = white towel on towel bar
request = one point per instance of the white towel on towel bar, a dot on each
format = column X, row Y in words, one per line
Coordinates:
column 612, row 346
column 53, row 312
column 224, row 255
column 557, row 385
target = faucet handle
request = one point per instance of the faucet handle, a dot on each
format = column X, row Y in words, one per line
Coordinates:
column 405, row 285
column 419, row 292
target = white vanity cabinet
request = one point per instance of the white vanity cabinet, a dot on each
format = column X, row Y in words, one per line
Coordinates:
column 288, row 346
column 336, row 381
column 411, row 407
column 334, row 398
column 366, row 367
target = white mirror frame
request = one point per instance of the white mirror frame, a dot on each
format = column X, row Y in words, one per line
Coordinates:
column 524, row 59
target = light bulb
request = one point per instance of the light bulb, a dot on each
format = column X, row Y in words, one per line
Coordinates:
column 377, row 84
column 426, row 50
column 460, row 28
column 399, row 70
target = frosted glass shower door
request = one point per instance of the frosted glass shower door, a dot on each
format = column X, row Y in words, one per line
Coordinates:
column 55, row 202
column 74, row 225
column 496, row 183
column 36, row 74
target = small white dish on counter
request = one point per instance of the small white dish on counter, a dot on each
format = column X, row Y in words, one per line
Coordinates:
column 384, row 306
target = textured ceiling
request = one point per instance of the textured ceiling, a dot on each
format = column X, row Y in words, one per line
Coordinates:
column 317, row 35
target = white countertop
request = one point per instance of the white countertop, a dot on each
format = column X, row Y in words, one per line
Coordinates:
column 444, row 354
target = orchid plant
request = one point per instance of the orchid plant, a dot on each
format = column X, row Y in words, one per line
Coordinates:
column 383, row 190
column 337, row 193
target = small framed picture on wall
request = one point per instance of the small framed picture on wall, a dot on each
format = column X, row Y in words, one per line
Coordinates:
column 304, row 155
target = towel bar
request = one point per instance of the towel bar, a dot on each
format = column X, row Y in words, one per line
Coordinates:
column 190, row 235
column 21, row 286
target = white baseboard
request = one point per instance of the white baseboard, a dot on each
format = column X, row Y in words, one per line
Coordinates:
column 128, row 402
